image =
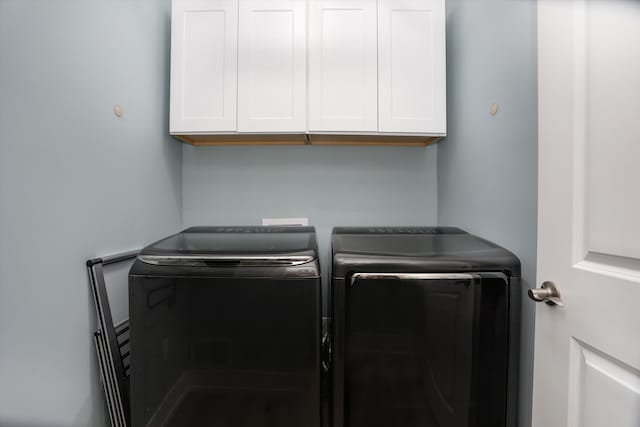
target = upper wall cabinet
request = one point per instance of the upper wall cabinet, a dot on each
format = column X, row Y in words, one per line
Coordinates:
column 411, row 66
column 343, row 68
column 351, row 67
column 272, row 67
column 204, row 72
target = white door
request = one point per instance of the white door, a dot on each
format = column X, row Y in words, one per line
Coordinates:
column 587, row 354
column 411, row 66
column 272, row 66
column 203, row 66
column 343, row 65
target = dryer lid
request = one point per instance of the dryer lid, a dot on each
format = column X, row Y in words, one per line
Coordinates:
column 416, row 249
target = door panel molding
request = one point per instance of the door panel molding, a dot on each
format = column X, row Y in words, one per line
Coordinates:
column 589, row 368
column 598, row 225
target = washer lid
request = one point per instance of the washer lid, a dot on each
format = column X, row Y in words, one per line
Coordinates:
column 234, row 246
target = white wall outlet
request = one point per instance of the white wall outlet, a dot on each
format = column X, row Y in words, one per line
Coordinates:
column 285, row 221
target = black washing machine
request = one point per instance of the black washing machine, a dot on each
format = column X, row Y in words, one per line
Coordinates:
column 225, row 329
column 426, row 325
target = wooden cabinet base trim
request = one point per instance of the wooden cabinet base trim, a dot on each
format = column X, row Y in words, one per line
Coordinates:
column 302, row 139
column 404, row 141
column 215, row 140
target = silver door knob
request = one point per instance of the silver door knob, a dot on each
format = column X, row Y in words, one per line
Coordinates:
column 547, row 292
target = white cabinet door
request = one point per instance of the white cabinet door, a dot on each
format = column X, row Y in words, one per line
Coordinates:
column 411, row 66
column 272, row 66
column 204, row 66
column 343, row 68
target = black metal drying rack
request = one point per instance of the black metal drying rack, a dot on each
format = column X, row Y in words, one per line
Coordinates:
column 112, row 343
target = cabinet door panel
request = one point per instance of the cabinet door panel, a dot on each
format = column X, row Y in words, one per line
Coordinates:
column 272, row 66
column 343, row 65
column 204, row 66
column 411, row 61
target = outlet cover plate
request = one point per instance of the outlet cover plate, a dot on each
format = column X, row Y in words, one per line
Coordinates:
column 285, row 221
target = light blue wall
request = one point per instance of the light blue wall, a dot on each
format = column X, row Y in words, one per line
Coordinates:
column 330, row 185
column 487, row 166
column 75, row 183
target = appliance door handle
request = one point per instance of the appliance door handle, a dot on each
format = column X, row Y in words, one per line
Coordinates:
column 418, row 276
column 206, row 260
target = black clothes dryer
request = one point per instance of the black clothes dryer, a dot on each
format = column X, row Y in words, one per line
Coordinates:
column 425, row 329
column 225, row 329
